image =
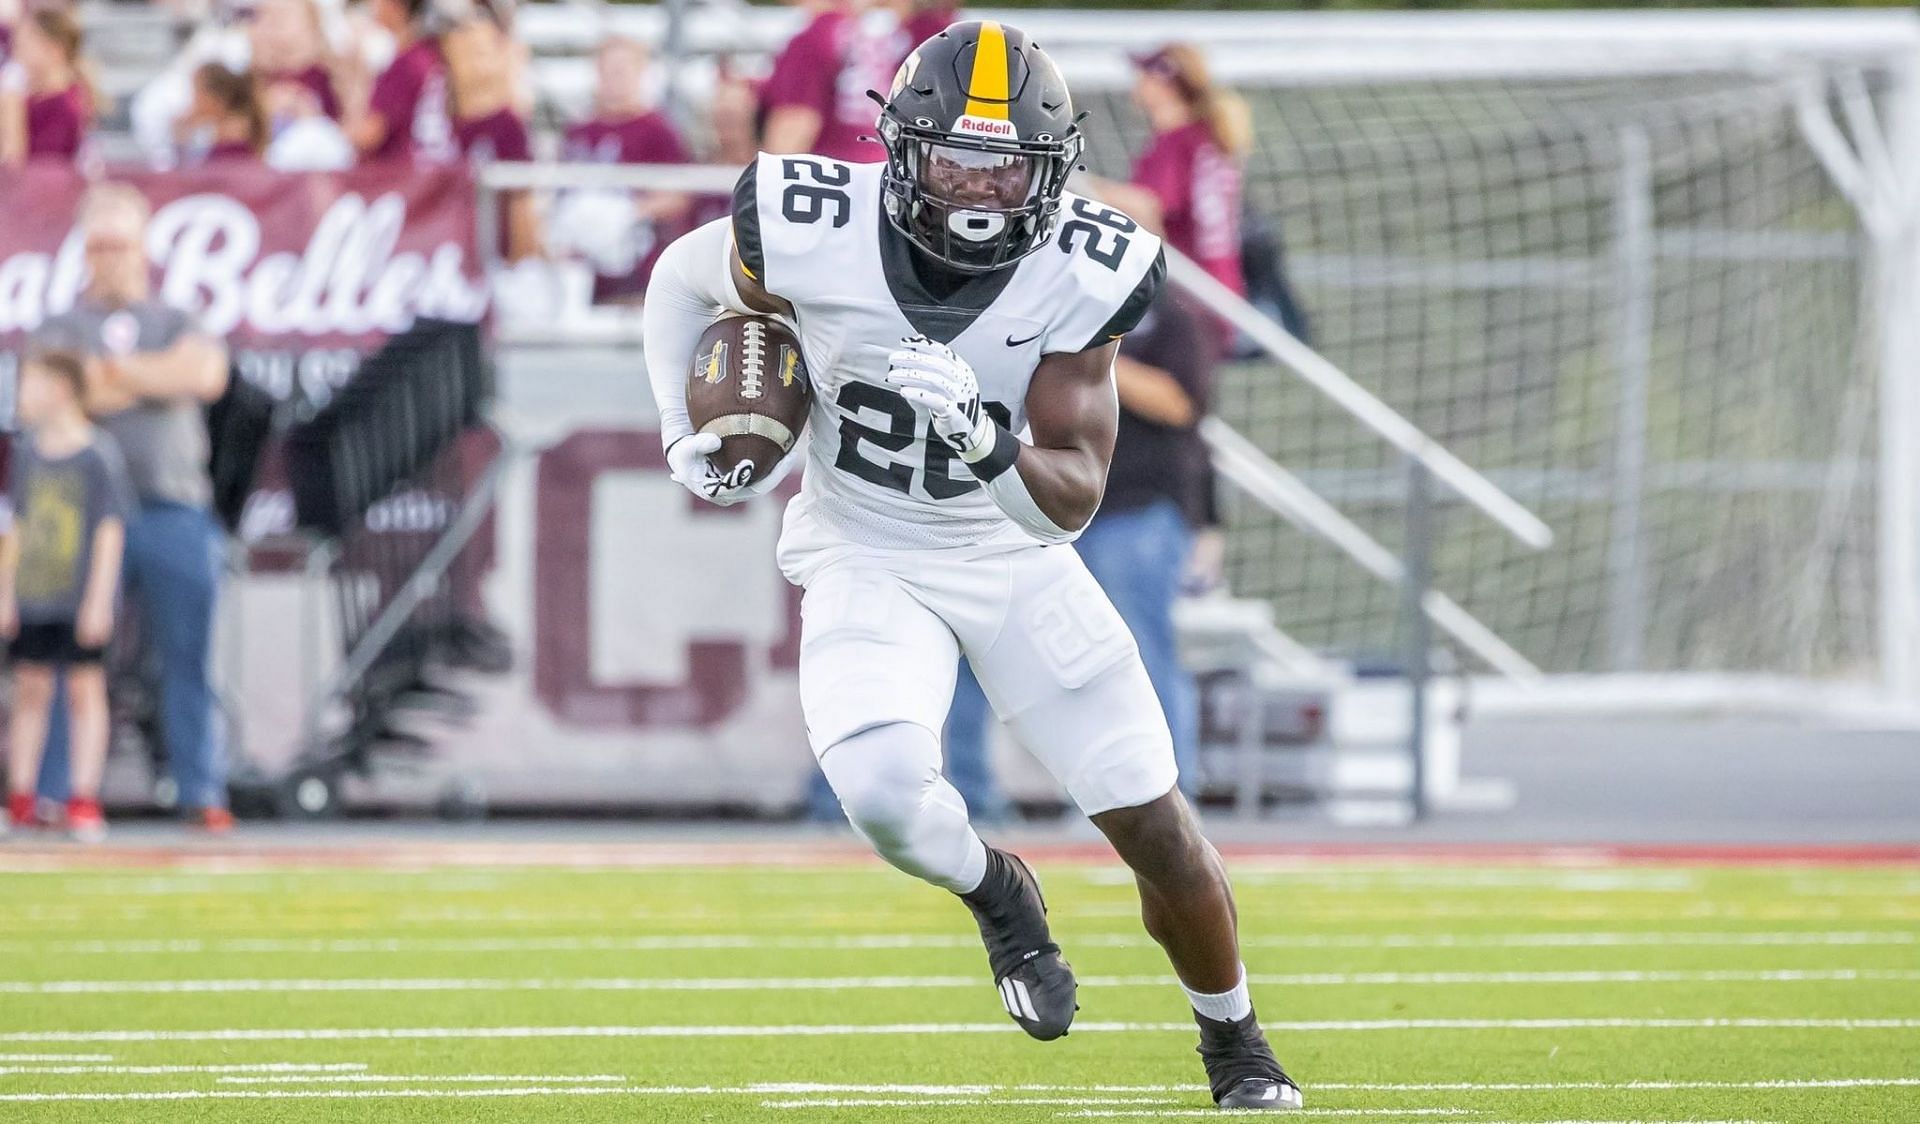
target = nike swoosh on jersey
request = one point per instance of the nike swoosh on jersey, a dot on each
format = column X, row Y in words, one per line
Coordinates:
column 1011, row 342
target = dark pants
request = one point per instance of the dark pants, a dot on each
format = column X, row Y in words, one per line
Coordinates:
column 1138, row 555
column 171, row 578
column 966, row 744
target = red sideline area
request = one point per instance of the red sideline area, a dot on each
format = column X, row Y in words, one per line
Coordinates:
column 401, row 853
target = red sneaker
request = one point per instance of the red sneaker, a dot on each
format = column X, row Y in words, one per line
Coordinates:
column 213, row 821
column 20, row 811
column 85, row 822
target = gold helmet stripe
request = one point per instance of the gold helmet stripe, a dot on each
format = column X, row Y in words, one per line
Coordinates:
column 987, row 85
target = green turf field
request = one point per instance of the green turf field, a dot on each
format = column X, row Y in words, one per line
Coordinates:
column 1394, row 991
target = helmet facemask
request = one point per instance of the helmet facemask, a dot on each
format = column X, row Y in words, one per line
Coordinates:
column 976, row 204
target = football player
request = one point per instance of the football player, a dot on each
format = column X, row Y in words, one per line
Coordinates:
column 959, row 312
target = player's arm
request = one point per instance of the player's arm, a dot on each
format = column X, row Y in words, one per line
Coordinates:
column 697, row 279
column 9, row 566
column 712, row 270
column 1072, row 414
column 1051, row 486
column 93, row 626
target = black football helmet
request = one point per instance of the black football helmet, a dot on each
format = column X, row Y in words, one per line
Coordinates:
column 980, row 137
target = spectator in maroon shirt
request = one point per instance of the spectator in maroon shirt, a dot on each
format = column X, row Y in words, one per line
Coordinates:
column 816, row 98
column 406, row 114
column 733, row 138
column 227, row 107
column 1186, row 184
column 625, row 129
column 486, row 125
column 290, row 59
column 50, row 103
column 922, row 20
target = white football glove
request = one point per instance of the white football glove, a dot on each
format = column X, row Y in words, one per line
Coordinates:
column 688, row 460
column 930, row 375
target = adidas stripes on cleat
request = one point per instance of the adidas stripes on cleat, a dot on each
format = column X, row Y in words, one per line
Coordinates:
column 1241, row 1069
column 1036, row 984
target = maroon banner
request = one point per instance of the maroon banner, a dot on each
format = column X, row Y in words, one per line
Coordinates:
column 283, row 266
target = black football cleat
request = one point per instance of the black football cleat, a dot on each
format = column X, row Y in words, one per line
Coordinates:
column 1036, row 984
column 1241, row 1068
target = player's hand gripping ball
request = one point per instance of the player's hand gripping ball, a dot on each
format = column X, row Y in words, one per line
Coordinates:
column 747, row 397
column 932, row 376
column 690, row 461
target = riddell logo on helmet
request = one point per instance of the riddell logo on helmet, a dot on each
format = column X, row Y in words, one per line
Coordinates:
column 986, row 127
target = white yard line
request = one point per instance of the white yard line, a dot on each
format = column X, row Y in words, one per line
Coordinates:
column 932, row 1090
column 1445, row 879
column 885, row 1102
column 805, row 1030
column 8, row 1058
column 1215, row 1113
column 883, row 941
column 1619, row 1086
column 321, row 1094
column 921, row 983
column 339, row 1071
column 1616, row 939
column 861, row 1102
column 433, row 1079
column 1347, row 1086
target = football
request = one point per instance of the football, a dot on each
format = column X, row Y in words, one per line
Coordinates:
column 749, row 387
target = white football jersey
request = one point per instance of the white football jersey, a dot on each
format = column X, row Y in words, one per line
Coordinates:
column 812, row 231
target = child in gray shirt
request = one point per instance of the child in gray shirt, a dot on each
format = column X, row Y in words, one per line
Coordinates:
column 59, row 576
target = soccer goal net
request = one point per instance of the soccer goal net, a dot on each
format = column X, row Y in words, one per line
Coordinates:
column 1638, row 278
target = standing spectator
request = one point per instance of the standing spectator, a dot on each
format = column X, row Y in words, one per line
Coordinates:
column 227, row 113
column 150, row 374
column 816, row 98
column 290, row 58
column 622, row 232
column 10, row 12
column 1185, row 185
column 300, row 85
column 921, row 21
column 59, row 576
column 406, row 113
column 486, row 124
column 46, row 98
column 733, row 120
column 733, row 138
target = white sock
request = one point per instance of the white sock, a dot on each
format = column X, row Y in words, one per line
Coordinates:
column 1228, row 1006
column 973, row 869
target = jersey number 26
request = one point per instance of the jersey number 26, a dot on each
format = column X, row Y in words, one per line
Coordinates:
column 805, row 201
column 902, row 426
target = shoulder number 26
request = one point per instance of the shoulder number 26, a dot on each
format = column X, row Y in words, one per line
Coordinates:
column 1101, row 231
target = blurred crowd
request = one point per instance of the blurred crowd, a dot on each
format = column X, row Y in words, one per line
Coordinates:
column 306, row 85
column 312, row 85
column 316, row 85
